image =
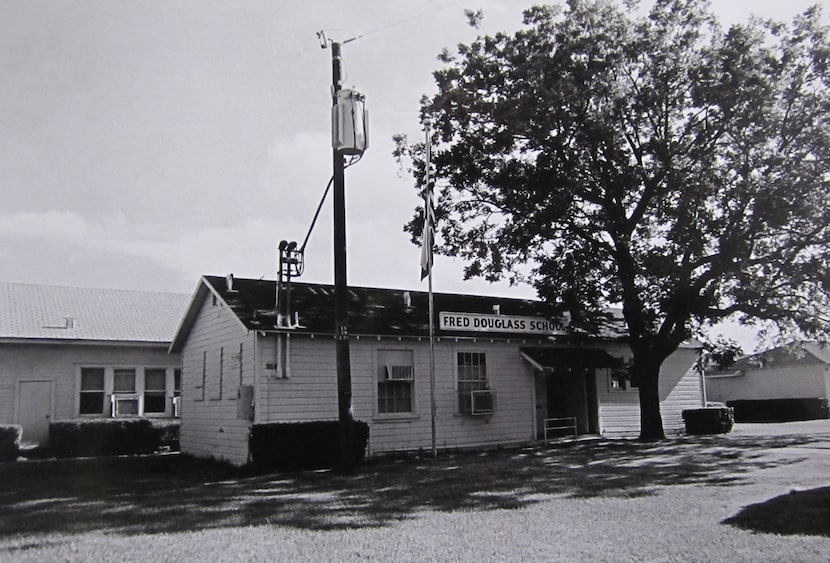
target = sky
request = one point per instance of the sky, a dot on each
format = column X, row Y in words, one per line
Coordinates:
column 146, row 143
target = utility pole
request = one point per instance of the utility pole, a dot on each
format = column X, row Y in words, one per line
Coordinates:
column 341, row 294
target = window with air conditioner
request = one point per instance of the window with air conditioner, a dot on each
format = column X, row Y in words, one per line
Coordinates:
column 482, row 402
column 474, row 394
column 124, row 398
column 126, row 404
column 395, row 382
column 126, row 391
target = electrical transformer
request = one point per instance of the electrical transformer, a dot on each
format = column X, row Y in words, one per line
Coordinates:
column 350, row 123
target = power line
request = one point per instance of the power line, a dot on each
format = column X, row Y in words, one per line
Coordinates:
column 405, row 20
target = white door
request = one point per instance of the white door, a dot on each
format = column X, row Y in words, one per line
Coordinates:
column 34, row 410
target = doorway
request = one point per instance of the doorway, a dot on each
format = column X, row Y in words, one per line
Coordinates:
column 34, row 411
column 567, row 392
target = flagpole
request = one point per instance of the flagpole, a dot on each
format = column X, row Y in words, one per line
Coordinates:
column 428, row 207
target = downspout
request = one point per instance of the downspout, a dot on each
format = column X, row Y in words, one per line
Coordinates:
column 287, row 372
column 256, row 378
column 701, row 372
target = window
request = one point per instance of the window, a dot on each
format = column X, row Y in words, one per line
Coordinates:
column 92, row 391
column 621, row 379
column 122, row 391
column 123, row 381
column 395, row 381
column 155, row 391
column 177, row 392
column 177, row 383
column 472, row 376
column 201, row 386
column 217, row 392
column 125, row 401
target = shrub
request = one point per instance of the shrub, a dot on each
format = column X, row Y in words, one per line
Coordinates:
column 709, row 420
column 10, row 441
column 303, row 445
column 780, row 410
column 112, row 436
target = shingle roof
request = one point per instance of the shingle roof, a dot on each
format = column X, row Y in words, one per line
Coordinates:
column 34, row 311
column 372, row 311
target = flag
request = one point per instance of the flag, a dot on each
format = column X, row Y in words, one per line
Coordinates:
column 428, row 236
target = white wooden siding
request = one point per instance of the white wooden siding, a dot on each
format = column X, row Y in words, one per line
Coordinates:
column 679, row 390
column 311, row 393
column 796, row 381
column 210, row 426
column 307, row 390
column 60, row 363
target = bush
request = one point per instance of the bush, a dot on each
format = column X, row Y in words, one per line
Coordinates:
column 303, row 445
column 112, row 436
column 780, row 410
column 709, row 420
column 10, row 441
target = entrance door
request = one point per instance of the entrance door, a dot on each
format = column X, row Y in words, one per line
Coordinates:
column 573, row 392
column 34, row 410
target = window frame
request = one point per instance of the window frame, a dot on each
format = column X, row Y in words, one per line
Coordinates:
column 126, row 393
column 623, row 377
column 155, row 392
column 102, row 391
column 463, row 399
column 384, row 358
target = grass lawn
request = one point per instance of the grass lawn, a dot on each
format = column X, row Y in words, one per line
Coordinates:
column 740, row 497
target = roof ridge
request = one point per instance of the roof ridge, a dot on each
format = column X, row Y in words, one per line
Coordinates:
column 88, row 288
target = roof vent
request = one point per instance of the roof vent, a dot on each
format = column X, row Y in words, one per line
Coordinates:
column 497, row 309
column 69, row 322
column 229, row 282
column 407, row 299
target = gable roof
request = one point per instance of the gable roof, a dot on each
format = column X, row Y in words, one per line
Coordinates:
column 798, row 353
column 34, row 311
column 372, row 311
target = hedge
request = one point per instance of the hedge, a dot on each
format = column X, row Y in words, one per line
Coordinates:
column 10, row 441
column 112, row 436
column 780, row 410
column 709, row 420
column 296, row 446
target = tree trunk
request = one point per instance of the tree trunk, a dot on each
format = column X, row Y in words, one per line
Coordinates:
column 651, row 421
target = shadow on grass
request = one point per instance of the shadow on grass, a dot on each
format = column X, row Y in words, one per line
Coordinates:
column 177, row 494
column 798, row 513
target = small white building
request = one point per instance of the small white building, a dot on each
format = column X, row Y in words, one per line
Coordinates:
column 70, row 352
column 502, row 366
column 785, row 372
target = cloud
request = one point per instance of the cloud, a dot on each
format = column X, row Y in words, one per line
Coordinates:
column 249, row 246
column 49, row 224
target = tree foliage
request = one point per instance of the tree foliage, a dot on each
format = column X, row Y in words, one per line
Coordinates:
column 660, row 162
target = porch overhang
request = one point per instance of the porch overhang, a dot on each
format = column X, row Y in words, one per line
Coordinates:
column 546, row 359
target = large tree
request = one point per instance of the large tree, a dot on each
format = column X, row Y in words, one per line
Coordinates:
column 658, row 162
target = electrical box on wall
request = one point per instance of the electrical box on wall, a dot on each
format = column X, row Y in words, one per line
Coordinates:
column 245, row 402
column 350, row 123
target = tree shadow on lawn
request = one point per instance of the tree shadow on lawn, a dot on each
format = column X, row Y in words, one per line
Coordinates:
column 797, row 513
column 178, row 494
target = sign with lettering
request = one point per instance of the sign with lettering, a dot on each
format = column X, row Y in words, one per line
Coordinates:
column 480, row 322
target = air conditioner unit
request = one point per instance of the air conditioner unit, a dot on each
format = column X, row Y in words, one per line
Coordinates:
column 125, row 404
column 399, row 373
column 177, row 406
column 482, row 402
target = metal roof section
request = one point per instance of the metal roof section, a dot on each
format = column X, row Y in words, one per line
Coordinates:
column 547, row 359
column 46, row 312
column 381, row 312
